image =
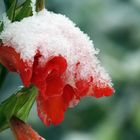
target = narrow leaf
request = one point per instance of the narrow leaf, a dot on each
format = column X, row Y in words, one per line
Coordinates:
column 18, row 105
column 24, row 11
column 6, row 110
column 26, row 98
column 1, row 26
column 11, row 10
column 3, row 73
column 8, row 3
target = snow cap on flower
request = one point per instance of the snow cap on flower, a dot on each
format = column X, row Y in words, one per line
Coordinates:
column 48, row 50
column 52, row 35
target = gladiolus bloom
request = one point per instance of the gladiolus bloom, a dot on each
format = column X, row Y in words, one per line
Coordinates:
column 49, row 51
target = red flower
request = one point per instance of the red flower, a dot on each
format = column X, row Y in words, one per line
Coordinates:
column 49, row 51
column 55, row 95
column 23, row 131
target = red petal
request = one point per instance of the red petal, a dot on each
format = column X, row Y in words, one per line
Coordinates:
column 11, row 60
column 25, row 73
column 108, row 91
column 47, row 77
column 82, row 87
column 41, row 85
column 57, row 63
column 38, row 76
column 54, row 67
column 51, row 110
column 104, row 91
column 70, row 96
column 54, row 87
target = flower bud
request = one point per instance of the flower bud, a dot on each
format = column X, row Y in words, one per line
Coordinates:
column 23, row 131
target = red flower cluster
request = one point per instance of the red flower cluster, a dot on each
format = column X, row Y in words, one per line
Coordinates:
column 55, row 95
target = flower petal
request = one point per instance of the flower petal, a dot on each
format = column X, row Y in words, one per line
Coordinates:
column 54, row 87
column 82, row 87
column 57, row 63
column 48, row 77
column 70, row 96
column 11, row 60
column 102, row 91
column 51, row 110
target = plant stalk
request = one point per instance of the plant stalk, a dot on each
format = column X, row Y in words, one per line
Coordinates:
column 40, row 5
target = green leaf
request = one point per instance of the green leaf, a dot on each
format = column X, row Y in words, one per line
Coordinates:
column 8, row 3
column 25, row 103
column 18, row 8
column 11, row 11
column 1, row 26
column 3, row 73
column 18, row 105
column 24, row 11
column 6, row 111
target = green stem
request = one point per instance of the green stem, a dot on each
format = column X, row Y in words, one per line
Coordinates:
column 40, row 4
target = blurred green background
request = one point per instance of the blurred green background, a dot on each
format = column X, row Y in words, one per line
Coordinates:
column 114, row 26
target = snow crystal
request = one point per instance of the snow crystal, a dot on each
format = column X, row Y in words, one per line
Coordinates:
column 54, row 34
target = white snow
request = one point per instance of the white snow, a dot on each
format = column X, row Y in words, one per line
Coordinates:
column 55, row 34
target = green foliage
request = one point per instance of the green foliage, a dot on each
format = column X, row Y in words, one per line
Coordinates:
column 1, row 26
column 8, row 3
column 16, row 13
column 24, row 10
column 3, row 73
column 11, row 9
column 18, row 105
